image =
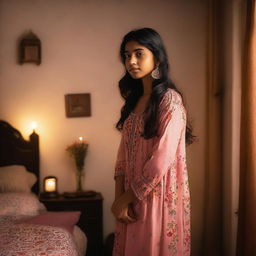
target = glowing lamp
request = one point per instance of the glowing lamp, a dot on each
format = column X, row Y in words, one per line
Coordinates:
column 50, row 186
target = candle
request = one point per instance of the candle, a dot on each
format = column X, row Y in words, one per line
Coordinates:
column 50, row 185
column 34, row 125
column 80, row 139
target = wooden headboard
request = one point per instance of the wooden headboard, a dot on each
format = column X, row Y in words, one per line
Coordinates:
column 15, row 150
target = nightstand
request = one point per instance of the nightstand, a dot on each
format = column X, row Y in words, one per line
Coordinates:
column 90, row 221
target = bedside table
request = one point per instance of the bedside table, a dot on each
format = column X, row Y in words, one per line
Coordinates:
column 90, row 221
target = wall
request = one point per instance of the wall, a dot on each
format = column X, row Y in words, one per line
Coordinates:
column 80, row 43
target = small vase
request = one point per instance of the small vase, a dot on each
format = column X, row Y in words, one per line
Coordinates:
column 78, row 181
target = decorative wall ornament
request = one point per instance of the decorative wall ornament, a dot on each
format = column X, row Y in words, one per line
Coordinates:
column 30, row 49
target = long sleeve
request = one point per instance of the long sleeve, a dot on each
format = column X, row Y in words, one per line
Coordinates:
column 120, row 160
column 172, row 122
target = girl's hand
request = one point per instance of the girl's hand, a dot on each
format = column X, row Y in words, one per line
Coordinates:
column 123, row 216
column 120, row 210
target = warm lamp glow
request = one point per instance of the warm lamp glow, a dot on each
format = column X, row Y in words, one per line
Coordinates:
column 80, row 139
column 34, row 125
column 50, row 184
column 50, row 187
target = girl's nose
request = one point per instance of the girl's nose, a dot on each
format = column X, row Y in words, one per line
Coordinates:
column 133, row 60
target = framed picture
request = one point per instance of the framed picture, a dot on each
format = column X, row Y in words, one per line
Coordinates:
column 78, row 105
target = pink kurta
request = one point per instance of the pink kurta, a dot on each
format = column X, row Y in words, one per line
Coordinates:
column 156, row 171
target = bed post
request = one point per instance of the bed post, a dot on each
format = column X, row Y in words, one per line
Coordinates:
column 34, row 139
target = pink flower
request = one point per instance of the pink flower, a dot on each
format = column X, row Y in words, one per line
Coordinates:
column 169, row 234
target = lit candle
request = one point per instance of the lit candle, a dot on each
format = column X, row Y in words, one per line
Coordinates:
column 80, row 139
column 50, row 185
column 34, row 125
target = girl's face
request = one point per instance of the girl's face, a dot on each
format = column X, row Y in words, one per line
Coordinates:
column 139, row 60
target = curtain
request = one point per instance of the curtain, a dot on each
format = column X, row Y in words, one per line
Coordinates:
column 212, row 240
column 246, row 234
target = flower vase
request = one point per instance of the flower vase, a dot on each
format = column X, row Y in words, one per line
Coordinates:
column 79, row 181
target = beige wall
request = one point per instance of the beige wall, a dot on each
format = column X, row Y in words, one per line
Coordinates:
column 80, row 42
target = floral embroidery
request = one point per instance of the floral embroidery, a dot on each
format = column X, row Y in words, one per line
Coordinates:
column 172, row 232
column 120, row 167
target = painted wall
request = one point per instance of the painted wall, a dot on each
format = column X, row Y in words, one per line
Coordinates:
column 80, row 43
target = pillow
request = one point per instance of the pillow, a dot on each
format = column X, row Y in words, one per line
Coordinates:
column 20, row 204
column 66, row 220
column 16, row 178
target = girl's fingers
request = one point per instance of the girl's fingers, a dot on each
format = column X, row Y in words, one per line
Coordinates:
column 122, row 213
column 127, row 219
column 130, row 220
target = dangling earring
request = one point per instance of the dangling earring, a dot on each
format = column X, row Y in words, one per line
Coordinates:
column 156, row 73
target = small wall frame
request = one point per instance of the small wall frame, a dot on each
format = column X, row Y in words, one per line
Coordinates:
column 30, row 49
column 78, row 105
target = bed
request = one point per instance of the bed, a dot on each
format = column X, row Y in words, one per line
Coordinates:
column 26, row 227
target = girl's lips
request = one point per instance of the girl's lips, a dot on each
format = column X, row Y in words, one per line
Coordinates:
column 134, row 69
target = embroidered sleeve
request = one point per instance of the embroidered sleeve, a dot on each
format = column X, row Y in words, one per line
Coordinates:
column 172, row 124
column 120, row 160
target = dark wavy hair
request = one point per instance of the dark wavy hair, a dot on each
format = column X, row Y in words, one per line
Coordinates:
column 132, row 89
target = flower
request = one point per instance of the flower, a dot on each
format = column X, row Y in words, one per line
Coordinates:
column 78, row 151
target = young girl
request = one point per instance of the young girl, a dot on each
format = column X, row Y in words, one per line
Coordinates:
column 152, row 198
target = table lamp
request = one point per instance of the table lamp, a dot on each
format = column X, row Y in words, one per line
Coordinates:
column 50, row 186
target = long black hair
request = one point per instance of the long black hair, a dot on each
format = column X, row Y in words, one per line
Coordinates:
column 132, row 89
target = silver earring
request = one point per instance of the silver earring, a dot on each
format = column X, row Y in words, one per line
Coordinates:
column 156, row 73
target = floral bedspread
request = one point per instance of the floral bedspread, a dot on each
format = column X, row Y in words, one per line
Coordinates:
column 34, row 240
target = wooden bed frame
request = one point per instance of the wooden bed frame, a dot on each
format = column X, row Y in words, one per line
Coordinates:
column 15, row 150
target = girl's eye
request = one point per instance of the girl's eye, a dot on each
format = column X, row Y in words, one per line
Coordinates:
column 138, row 54
column 126, row 55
